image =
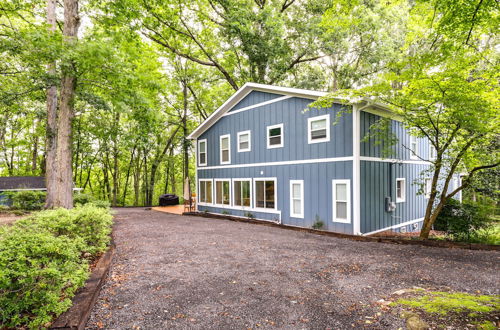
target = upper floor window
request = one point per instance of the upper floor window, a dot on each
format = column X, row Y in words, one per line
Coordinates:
column 318, row 129
column 427, row 187
column 275, row 136
column 244, row 141
column 413, row 147
column 341, row 194
column 225, row 149
column 202, row 152
column 400, row 190
column 265, row 193
column 432, row 152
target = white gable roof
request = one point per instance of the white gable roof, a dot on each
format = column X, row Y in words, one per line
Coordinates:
column 244, row 91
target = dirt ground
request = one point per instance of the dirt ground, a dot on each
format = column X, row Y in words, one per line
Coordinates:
column 182, row 272
column 6, row 219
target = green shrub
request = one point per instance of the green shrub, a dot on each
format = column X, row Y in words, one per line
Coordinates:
column 82, row 199
column 28, row 200
column 101, row 204
column 318, row 224
column 462, row 220
column 43, row 262
column 89, row 222
column 39, row 273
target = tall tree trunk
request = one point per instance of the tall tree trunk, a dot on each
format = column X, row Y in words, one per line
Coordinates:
column 128, row 175
column 115, row 174
column 50, row 168
column 64, row 197
column 185, row 141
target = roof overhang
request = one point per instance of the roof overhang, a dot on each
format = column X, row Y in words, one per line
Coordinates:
column 249, row 87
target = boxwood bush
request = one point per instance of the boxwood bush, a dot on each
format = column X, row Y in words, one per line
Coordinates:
column 28, row 200
column 44, row 259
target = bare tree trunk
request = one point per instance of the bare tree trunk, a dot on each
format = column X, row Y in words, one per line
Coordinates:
column 115, row 174
column 51, row 126
column 64, row 197
column 185, row 141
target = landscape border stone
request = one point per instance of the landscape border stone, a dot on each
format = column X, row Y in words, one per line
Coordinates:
column 431, row 243
column 84, row 300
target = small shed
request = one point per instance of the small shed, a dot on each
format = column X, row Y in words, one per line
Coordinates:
column 19, row 183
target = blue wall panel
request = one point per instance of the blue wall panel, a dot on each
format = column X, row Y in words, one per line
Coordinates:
column 255, row 97
column 291, row 113
column 317, row 190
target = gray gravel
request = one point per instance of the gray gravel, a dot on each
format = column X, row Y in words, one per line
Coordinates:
column 184, row 272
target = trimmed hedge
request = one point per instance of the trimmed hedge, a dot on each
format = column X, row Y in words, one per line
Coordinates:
column 44, row 259
column 29, row 200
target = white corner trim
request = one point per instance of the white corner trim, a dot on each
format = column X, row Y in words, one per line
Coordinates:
column 250, row 107
column 228, row 136
column 356, row 172
column 394, row 226
column 288, row 162
column 334, row 201
column 309, row 129
column 249, row 141
column 282, row 136
column 301, row 214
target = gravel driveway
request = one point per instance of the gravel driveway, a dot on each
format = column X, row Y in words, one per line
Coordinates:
column 183, row 272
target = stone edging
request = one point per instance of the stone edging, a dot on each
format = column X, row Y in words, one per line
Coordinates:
column 84, row 300
column 442, row 244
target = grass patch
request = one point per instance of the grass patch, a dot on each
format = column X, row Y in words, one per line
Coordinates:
column 443, row 302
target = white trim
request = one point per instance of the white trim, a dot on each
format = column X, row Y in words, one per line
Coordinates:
column 199, row 195
column 206, row 152
column 288, row 162
column 228, row 136
column 414, row 153
column 301, row 214
column 215, row 192
column 243, row 217
column 394, row 226
column 356, row 169
column 393, row 160
column 402, row 199
column 271, row 211
column 278, row 99
column 259, row 209
column 431, row 148
column 309, row 130
column 282, row 136
column 348, row 200
column 240, row 207
column 34, row 189
column 249, row 141
column 196, row 184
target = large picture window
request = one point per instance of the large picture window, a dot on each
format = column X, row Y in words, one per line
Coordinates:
column 297, row 198
column 205, row 193
column 225, row 149
column 265, row 193
column 222, row 192
column 275, row 136
column 318, row 129
column 202, row 152
column 242, row 192
column 341, row 194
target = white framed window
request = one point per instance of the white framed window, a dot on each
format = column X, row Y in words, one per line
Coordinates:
column 202, row 152
column 297, row 198
column 225, row 149
column 242, row 193
column 222, row 192
column 400, row 190
column 205, row 191
column 318, row 129
column 341, row 195
column 432, row 152
column 413, row 147
column 275, row 136
column 265, row 193
column 244, row 141
column 427, row 187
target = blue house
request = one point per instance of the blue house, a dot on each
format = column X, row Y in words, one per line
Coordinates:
column 263, row 155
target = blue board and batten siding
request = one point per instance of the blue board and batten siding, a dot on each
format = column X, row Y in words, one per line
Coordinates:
column 316, row 164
